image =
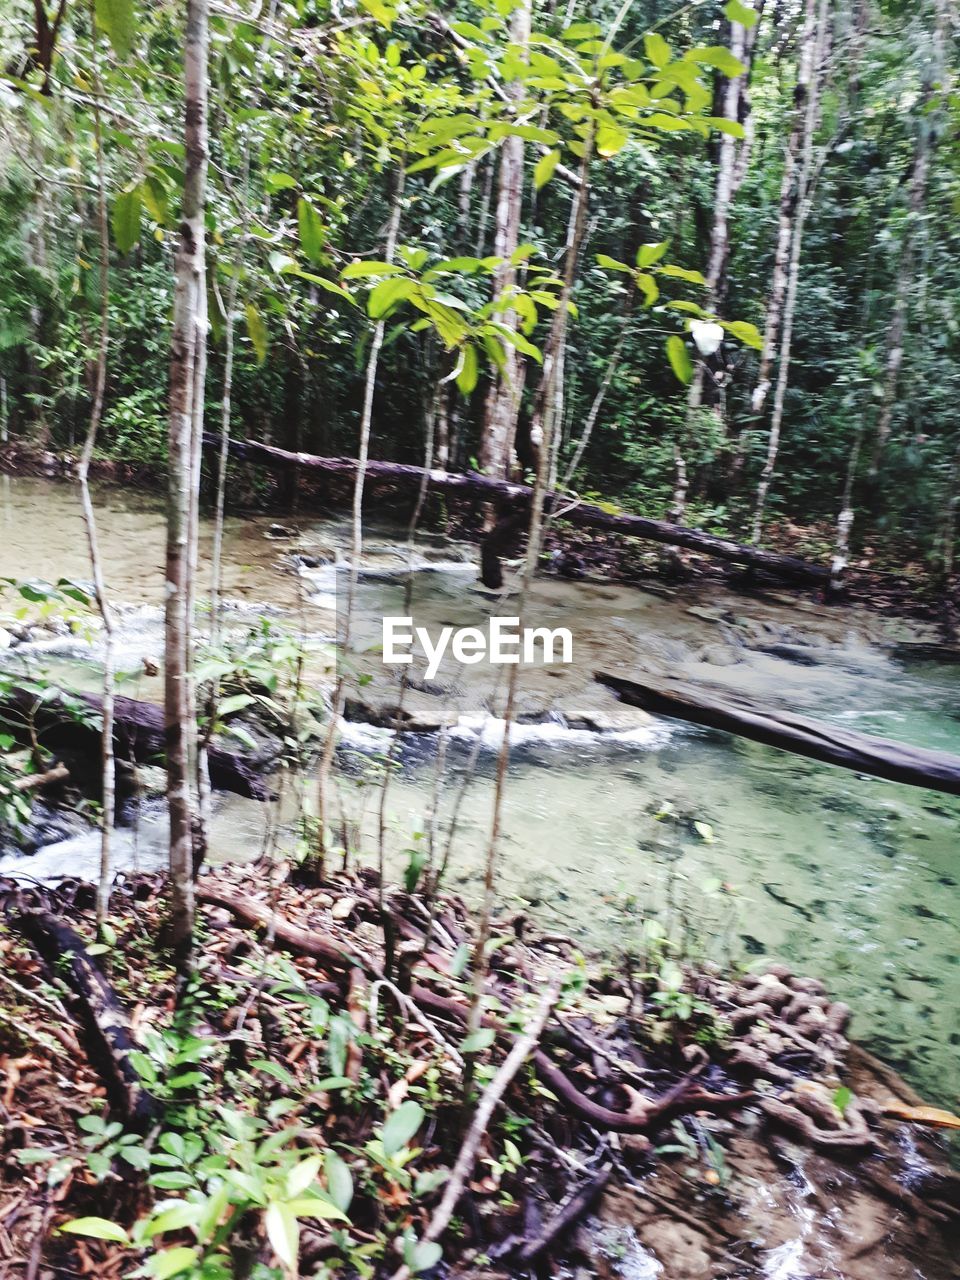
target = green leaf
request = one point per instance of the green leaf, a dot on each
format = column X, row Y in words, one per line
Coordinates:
column 316, row 1207
column 126, row 219
column 401, row 1127
column 544, row 169
column 716, row 55
column 681, row 273
column 722, row 125
column 842, row 1098
column 611, row 139
column 469, row 370
column 176, row 1180
column 311, row 231
column 171, row 1262
column 657, row 49
column 154, row 196
column 679, row 359
column 648, row 254
column 257, row 331
column 283, row 1232
column 746, row 333
column 735, row 11
column 604, row 260
column 649, row 286
column 479, row 1040
column 279, row 182
column 327, row 285
column 369, row 270
column 339, row 1180
column 98, row 1228
column 236, row 702
column 302, row 1175
column 424, row 1255
column 385, row 295
column 117, row 19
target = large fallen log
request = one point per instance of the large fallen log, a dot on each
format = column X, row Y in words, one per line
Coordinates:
column 879, row 757
column 69, row 724
column 106, row 1029
column 504, row 493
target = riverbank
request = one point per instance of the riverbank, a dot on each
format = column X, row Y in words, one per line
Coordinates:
column 673, row 1117
column 893, row 583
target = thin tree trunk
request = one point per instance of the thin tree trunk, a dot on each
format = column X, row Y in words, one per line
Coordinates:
column 484, row 214
column 226, row 408
column 802, row 204
column 356, row 547
column 503, row 397
column 905, row 272
column 726, row 188
column 89, row 518
column 554, row 345
column 185, row 363
column 594, row 413
column 789, row 199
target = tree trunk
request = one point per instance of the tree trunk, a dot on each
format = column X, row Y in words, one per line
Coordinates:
column 186, row 361
column 801, row 204
column 905, row 271
column 506, row 385
column 789, row 199
column 356, row 544
column 89, row 519
column 729, row 176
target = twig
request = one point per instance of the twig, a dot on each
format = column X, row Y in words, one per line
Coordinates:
column 494, row 1091
column 410, row 1009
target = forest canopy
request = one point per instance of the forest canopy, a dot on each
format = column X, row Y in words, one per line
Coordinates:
column 770, row 165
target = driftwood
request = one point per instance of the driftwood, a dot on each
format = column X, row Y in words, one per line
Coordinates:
column 879, row 757
column 566, row 1218
column 31, row 781
column 504, row 494
column 138, row 736
column 106, row 1030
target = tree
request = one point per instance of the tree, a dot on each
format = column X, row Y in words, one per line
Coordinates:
column 187, row 380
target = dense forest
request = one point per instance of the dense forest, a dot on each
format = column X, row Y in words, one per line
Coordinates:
column 795, row 166
column 316, row 960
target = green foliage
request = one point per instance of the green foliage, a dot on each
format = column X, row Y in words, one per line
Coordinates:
column 305, row 169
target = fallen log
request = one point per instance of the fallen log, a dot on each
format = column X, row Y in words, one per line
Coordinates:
column 106, row 1031
column 829, row 743
column 30, row 781
column 70, row 724
column 504, row 493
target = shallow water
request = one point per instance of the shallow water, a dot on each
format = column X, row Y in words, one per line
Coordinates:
column 850, row 878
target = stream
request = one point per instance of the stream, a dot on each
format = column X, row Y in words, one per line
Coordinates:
column 746, row 852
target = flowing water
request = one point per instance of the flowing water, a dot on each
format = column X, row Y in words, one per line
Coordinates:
column 747, row 851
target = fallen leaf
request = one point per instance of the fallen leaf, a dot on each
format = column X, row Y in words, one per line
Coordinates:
column 923, row 1115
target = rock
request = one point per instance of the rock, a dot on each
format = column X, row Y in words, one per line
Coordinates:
column 6, row 639
column 280, row 531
